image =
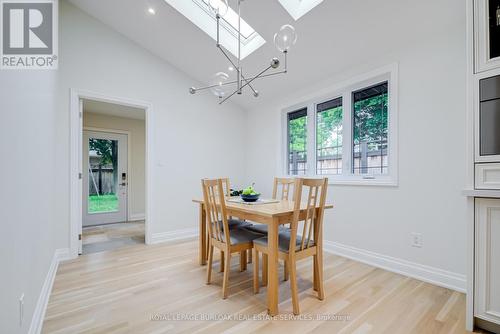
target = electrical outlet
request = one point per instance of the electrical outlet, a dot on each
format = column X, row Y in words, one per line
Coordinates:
column 21, row 310
column 416, row 240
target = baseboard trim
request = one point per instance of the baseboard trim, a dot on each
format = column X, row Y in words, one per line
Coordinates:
column 61, row 254
column 182, row 234
column 137, row 216
column 418, row 271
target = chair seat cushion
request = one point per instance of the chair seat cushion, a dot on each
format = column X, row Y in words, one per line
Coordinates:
column 241, row 236
column 262, row 228
column 235, row 223
column 283, row 241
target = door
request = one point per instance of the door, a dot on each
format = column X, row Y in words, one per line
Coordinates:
column 105, row 178
column 487, row 260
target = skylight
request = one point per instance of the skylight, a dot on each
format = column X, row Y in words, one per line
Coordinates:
column 298, row 8
column 199, row 13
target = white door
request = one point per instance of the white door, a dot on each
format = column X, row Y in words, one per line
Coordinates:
column 105, row 178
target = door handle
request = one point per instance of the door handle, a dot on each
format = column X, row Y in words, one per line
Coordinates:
column 123, row 184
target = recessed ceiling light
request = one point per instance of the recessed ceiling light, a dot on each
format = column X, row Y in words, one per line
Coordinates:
column 151, row 11
column 230, row 68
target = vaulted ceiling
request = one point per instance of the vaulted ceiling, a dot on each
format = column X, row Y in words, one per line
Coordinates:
column 335, row 36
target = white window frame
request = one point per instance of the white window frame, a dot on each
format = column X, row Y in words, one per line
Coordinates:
column 345, row 89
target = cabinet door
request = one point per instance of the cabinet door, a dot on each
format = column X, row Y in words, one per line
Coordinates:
column 487, row 260
column 486, row 35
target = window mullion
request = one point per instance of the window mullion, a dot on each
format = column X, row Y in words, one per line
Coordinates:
column 311, row 140
column 347, row 134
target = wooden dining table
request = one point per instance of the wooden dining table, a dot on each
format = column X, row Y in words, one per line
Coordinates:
column 273, row 215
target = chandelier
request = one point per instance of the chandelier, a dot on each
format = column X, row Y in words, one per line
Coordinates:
column 221, row 85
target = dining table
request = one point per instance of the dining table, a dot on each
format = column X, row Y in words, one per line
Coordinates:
column 273, row 214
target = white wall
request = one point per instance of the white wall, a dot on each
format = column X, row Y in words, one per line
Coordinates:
column 137, row 150
column 27, row 200
column 428, row 199
column 190, row 132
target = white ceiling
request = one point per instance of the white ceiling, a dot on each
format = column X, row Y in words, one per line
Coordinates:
column 112, row 109
column 335, row 36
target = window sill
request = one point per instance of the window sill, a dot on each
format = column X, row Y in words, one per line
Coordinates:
column 363, row 182
column 354, row 181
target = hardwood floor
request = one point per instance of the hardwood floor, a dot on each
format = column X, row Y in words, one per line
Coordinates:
column 134, row 289
column 107, row 237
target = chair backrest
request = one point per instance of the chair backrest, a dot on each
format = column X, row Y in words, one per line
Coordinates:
column 227, row 186
column 285, row 183
column 215, row 207
column 312, row 221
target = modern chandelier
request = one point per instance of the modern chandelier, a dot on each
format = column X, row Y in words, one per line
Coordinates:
column 221, row 85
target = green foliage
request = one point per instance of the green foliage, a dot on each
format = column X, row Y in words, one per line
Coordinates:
column 370, row 125
column 106, row 149
column 370, row 120
column 298, row 134
column 329, row 130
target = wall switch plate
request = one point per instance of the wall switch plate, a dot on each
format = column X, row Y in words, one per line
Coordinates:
column 416, row 240
column 21, row 310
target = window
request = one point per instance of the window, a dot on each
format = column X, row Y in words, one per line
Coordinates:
column 370, row 130
column 297, row 142
column 349, row 135
column 329, row 137
column 199, row 13
column 298, row 8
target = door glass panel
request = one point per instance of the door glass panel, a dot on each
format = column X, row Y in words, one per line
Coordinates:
column 103, row 175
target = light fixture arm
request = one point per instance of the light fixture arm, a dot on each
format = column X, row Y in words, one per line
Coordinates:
column 241, row 81
column 247, row 83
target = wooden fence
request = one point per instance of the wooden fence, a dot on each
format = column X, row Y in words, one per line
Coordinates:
column 103, row 181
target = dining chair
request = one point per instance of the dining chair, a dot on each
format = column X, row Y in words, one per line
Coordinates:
column 220, row 234
column 303, row 240
column 279, row 182
column 283, row 184
column 233, row 223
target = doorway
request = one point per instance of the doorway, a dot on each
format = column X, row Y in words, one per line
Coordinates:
column 110, row 150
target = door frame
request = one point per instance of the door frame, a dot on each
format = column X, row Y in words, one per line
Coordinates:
column 76, row 152
column 118, row 132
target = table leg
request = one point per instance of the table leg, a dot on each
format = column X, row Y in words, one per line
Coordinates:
column 272, row 271
column 202, row 236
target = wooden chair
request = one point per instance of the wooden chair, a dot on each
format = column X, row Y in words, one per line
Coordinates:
column 284, row 184
column 220, row 235
column 244, row 256
column 294, row 246
column 233, row 223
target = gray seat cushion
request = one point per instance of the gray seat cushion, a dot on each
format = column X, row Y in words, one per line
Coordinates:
column 262, row 228
column 235, row 223
column 241, row 236
column 283, row 241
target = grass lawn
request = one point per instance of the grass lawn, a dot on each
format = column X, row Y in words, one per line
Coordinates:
column 103, row 203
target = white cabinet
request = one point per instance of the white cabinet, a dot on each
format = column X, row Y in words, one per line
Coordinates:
column 487, row 260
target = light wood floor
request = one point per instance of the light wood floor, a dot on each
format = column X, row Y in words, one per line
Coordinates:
column 107, row 237
column 120, row 291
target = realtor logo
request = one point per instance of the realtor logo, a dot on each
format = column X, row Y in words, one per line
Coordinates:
column 29, row 34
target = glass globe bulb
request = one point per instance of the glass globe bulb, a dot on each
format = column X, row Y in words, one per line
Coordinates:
column 285, row 38
column 219, row 6
column 219, row 80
